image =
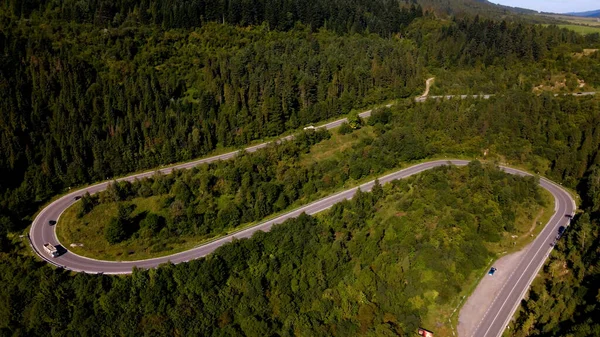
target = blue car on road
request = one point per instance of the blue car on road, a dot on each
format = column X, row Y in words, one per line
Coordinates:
column 492, row 271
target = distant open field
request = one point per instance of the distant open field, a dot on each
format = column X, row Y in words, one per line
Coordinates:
column 582, row 29
column 579, row 28
column 576, row 24
column 574, row 19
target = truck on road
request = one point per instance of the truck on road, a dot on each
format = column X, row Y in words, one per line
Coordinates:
column 50, row 249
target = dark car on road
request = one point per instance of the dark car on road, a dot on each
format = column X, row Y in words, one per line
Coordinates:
column 561, row 230
column 492, row 271
column 52, row 222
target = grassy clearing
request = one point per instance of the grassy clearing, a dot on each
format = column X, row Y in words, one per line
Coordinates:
column 584, row 21
column 573, row 19
column 558, row 82
column 581, row 29
column 88, row 231
column 334, row 146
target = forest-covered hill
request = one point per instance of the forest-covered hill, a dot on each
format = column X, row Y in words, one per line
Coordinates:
column 83, row 100
column 93, row 89
column 475, row 7
column 589, row 14
column 375, row 265
column 378, row 16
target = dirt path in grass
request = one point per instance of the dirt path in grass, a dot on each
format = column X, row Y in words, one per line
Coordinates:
column 427, row 86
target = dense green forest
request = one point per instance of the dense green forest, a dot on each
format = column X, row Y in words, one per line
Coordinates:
column 559, row 138
column 75, row 122
column 94, row 89
column 83, row 100
column 376, row 16
column 374, row 265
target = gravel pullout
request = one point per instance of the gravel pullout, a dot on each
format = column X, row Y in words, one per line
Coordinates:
column 474, row 309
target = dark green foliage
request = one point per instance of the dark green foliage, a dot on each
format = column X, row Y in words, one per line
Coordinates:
column 565, row 301
column 158, row 97
column 556, row 136
column 592, row 188
column 380, row 116
column 492, row 42
column 93, row 89
column 5, row 245
column 344, row 129
column 115, row 230
column 96, row 89
column 152, row 222
column 376, row 16
column 119, row 227
column 377, row 190
column 87, row 203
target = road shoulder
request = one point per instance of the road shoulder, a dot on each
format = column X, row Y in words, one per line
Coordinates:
column 484, row 295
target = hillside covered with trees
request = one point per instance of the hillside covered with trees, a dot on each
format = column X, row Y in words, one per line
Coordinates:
column 95, row 89
column 373, row 265
column 84, row 98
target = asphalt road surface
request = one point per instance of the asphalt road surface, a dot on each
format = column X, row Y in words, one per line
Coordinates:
column 508, row 299
column 578, row 94
column 424, row 98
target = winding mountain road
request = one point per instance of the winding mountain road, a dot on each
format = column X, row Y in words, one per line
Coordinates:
column 41, row 232
column 492, row 324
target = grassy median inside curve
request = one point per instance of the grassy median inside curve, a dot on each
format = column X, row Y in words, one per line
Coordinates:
column 86, row 235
